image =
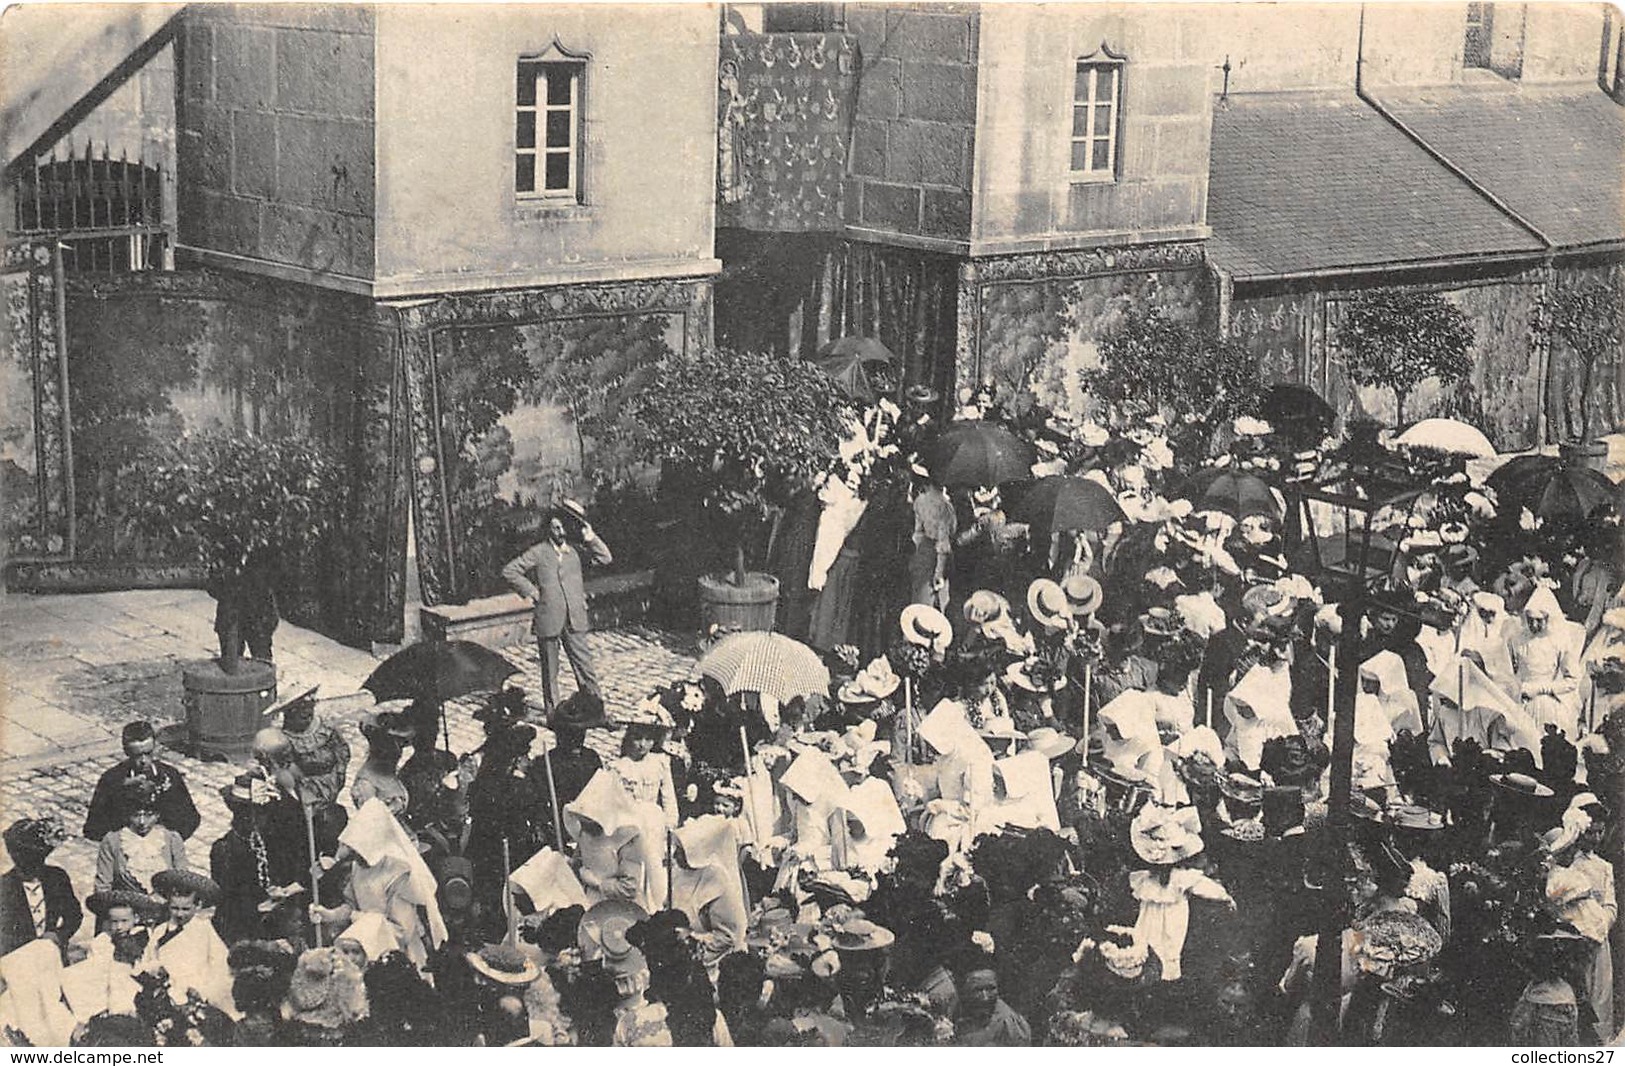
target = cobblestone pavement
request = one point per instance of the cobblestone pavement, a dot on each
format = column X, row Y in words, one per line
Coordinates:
column 630, row 662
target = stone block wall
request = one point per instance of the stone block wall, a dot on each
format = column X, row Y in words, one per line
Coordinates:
column 915, row 129
column 276, row 151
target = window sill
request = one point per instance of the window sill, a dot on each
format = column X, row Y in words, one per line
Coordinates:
column 552, row 211
column 1092, row 179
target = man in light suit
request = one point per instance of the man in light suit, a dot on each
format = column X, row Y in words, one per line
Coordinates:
column 549, row 575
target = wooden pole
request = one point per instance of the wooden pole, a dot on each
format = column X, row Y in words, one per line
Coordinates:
column 1331, row 682
column 315, row 866
column 1209, row 710
column 508, row 910
column 1088, row 692
column 908, row 722
column 750, row 791
column 553, row 797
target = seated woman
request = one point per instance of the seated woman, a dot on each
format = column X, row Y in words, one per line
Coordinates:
column 706, row 885
column 1383, row 676
column 387, row 877
column 386, row 735
column 610, row 845
column 130, row 858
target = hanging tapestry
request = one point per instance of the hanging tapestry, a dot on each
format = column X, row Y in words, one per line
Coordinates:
column 784, row 120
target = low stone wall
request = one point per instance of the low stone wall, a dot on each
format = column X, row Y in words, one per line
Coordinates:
column 613, row 601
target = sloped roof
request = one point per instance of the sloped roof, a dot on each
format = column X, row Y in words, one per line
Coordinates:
column 1303, row 182
column 1554, row 155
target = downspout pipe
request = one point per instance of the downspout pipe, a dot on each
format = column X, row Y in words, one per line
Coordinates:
column 1547, row 244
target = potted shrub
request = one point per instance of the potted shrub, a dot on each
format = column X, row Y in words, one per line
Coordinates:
column 242, row 504
column 1585, row 317
column 1153, row 364
column 743, row 430
column 1397, row 338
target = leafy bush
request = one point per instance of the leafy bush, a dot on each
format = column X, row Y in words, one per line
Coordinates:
column 750, row 427
column 1586, row 316
column 241, row 502
column 1397, row 338
column 1153, row 364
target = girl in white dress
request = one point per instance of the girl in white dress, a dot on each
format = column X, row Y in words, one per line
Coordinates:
column 645, row 776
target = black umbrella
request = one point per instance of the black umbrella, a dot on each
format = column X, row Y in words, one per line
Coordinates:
column 977, row 453
column 1555, row 491
column 1068, row 504
column 1235, row 493
column 851, row 361
column 435, row 671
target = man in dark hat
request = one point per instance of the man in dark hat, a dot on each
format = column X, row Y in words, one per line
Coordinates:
column 174, row 804
column 36, row 898
column 549, row 575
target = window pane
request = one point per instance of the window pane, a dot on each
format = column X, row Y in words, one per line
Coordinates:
column 1103, row 155
column 1080, row 122
column 524, row 173
column 1080, row 85
column 1103, row 119
column 525, row 137
column 527, row 84
column 558, row 84
column 1080, row 155
column 558, row 170
column 558, row 129
column 1106, row 92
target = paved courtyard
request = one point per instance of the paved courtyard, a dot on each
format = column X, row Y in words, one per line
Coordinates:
column 73, row 669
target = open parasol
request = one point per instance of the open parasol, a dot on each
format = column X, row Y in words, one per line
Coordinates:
column 1234, row 492
column 770, row 664
column 1555, row 491
column 1449, row 436
column 439, row 670
column 976, row 453
column 851, row 360
column 1068, row 504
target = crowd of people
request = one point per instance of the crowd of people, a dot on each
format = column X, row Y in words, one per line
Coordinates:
column 1066, row 786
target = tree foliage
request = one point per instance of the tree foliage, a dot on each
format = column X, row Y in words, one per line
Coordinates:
column 1397, row 338
column 242, row 501
column 753, row 426
column 1154, row 364
column 1586, row 317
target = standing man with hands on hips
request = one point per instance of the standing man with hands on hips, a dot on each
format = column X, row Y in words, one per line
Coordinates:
column 549, row 575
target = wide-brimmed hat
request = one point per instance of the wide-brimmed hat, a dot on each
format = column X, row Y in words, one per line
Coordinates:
column 999, row 728
column 1083, row 594
column 1521, row 785
column 1412, row 816
column 503, row 964
column 1161, row 622
column 99, row 903
column 923, row 395
column 186, row 882
column 580, row 711
column 303, row 696
column 1047, row 603
column 985, row 496
column 1163, row 836
column 984, row 607
column 1035, row 675
column 389, row 723
column 860, row 934
column 875, row 682
column 570, row 510
column 247, row 790
column 1050, row 742
column 603, row 928
column 927, row 627
column 1242, row 788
